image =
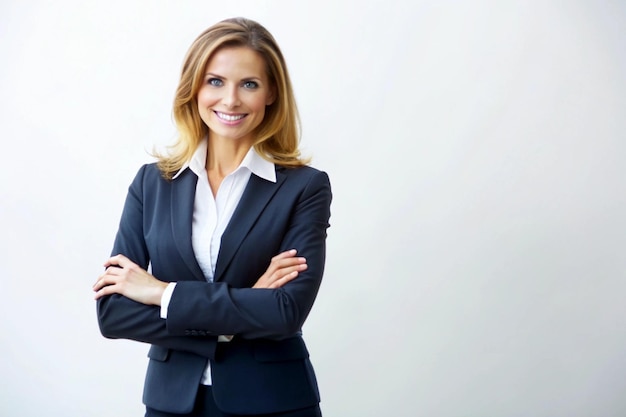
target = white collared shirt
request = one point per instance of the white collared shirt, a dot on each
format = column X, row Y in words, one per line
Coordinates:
column 211, row 215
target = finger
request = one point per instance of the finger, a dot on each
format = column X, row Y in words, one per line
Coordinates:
column 286, row 273
column 109, row 272
column 289, row 269
column 107, row 290
column 113, row 270
column 111, row 276
column 284, row 263
column 279, row 264
column 119, row 260
column 284, row 280
column 286, row 254
column 105, row 280
column 100, row 278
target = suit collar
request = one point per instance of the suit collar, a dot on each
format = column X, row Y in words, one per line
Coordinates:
column 255, row 197
column 183, row 195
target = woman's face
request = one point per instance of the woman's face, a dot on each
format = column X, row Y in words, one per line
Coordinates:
column 234, row 94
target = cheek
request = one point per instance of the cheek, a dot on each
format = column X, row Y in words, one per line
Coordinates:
column 259, row 113
column 259, row 104
column 202, row 100
column 203, row 103
column 205, row 98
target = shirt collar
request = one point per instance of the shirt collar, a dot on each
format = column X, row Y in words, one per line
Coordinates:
column 254, row 162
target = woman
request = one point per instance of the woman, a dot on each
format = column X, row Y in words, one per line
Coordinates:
column 233, row 225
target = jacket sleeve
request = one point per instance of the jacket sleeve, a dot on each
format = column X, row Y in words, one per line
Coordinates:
column 122, row 318
column 250, row 313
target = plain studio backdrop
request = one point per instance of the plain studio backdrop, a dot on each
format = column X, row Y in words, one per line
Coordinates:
column 476, row 258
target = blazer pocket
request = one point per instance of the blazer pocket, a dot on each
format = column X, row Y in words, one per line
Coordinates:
column 158, row 353
column 280, row 351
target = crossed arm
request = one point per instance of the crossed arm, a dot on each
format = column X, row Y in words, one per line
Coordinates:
column 124, row 277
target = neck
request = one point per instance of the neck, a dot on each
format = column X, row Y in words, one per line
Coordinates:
column 224, row 156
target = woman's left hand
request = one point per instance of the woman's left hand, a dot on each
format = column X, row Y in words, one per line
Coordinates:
column 124, row 277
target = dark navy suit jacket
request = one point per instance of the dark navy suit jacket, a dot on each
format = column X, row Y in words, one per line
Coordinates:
column 265, row 368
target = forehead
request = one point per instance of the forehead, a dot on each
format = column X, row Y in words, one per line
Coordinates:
column 236, row 60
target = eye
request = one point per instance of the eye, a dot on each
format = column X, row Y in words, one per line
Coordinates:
column 250, row 84
column 215, row 82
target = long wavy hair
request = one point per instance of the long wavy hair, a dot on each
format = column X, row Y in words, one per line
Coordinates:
column 277, row 137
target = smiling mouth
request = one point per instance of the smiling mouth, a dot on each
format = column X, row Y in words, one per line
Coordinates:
column 229, row 117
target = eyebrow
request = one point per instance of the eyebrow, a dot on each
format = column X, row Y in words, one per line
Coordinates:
column 243, row 79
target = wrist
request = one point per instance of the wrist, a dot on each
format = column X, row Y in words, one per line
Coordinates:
column 159, row 289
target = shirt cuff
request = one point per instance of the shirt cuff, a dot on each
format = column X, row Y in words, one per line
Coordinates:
column 166, row 297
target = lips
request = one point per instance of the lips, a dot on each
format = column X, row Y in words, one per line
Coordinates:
column 229, row 117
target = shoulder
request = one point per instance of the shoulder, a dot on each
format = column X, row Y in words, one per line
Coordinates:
column 306, row 181
column 149, row 174
column 149, row 171
column 304, row 174
column 148, row 181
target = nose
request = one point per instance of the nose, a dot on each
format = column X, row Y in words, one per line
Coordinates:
column 231, row 97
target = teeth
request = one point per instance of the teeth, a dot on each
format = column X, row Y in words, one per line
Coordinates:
column 229, row 117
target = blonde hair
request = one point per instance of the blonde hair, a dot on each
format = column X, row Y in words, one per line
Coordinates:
column 278, row 134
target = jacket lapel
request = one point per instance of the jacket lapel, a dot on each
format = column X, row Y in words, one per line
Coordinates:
column 183, row 195
column 255, row 197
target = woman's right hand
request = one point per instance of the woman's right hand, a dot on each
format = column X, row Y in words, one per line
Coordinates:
column 283, row 268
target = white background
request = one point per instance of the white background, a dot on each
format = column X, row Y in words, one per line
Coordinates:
column 476, row 149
